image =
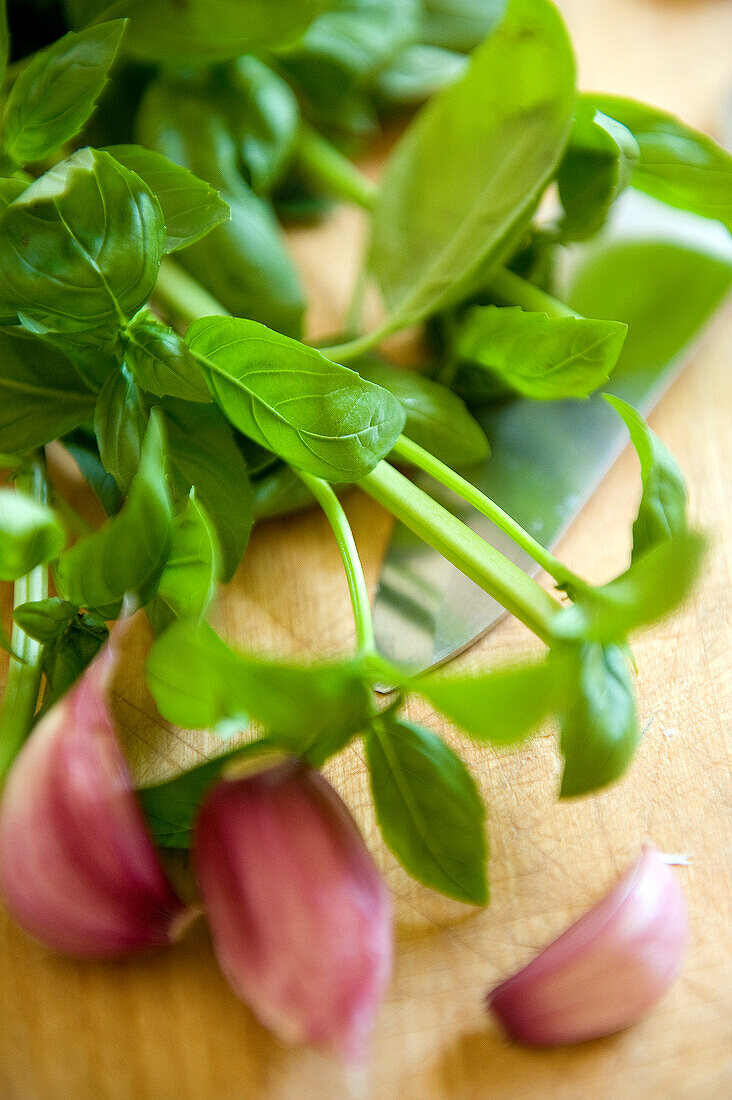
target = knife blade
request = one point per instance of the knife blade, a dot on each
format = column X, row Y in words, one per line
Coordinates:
column 548, row 458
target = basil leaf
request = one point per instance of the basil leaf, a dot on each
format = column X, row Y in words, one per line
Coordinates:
column 460, row 24
column 662, row 511
column 292, row 400
column 197, row 680
column 67, row 656
column 545, row 358
column 42, row 396
column 204, row 30
column 45, row 620
column 597, row 166
column 188, row 582
column 202, row 453
column 599, row 727
column 30, row 534
column 85, row 453
column 465, row 178
column 128, row 553
column 266, row 121
column 10, row 189
column 499, row 707
column 678, row 165
column 429, row 809
column 161, row 362
column 417, row 72
column 191, row 208
column 55, row 93
column 120, row 422
column 4, row 40
column 171, row 807
column 654, row 585
column 81, row 247
column 436, row 418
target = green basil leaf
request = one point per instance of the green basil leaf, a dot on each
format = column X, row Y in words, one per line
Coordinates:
column 429, row 809
column 10, row 189
column 202, row 453
column 81, row 247
column 42, row 396
column 436, row 418
column 599, row 727
column 191, row 208
column 4, row 40
column 204, row 30
column 45, row 620
column 266, row 120
column 460, row 24
column 662, row 511
column 280, row 492
column 197, row 680
column 501, row 706
column 597, row 166
column 120, row 422
column 85, row 453
column 545, row 358
column 678, row 165
column 161, row 362
column 65, row 658
column 418, row 71
column 292, row 400
column 654, row 586
column 30, row 534
column 465, row 179
column 55, row 93
column 171, row 807
column 128, row 553
column 188, row 582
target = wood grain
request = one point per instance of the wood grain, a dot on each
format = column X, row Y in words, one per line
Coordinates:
column 168, row 1027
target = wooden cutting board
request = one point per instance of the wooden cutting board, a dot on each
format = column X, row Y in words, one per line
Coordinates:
column 167, row 1027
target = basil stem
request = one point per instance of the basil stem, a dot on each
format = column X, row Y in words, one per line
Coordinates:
column 24, row 670
column 182, row 297
column 515, row 291
column 326, row 167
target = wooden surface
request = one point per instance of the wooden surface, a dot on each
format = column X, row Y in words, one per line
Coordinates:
column 167, row 1027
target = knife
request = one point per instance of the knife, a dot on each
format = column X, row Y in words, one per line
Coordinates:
column 548, row 458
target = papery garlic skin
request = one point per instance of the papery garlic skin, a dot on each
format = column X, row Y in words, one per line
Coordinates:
column 300, row 916
column 606, row 970
column 78, row 870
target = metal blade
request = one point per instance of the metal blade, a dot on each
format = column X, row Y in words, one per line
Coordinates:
column 549, row 457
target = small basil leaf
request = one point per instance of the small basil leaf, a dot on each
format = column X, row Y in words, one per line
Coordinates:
column 128, row 553
column 280, row 492
column 266, row 120
column 45, row 620
column 171, row 807
column 292, row 400
column 81, row 247
column 678, row 165
column 597, row 166
column 120, row 422
column 499, row 707
column 161, row 362
column 42, row 395
column 466, row 176
column 599, row 727
column 418, row 71
column 188, row 582
column 429, row 809
column 30, row 534
column 662, row 511
column 654, row 585
column 67, row 656
column 55, row 93
column 460, row 24
column 436, row 418
column 191, row 208
column 202, row 453
column 545, row 358
column 85, row 453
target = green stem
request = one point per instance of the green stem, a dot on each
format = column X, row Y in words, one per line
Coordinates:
column 471, row 554
column 329, row 169
column 357, row 589
column 423, row 460
column 24, row 674
column 182, row 297
column 514, row 290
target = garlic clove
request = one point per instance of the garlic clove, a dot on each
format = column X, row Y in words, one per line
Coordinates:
column 78, row 870
column 607, row 969
column 300, row 916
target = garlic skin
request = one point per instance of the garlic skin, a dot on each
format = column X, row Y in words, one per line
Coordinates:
column 300, row 916
column 607, row 969
column 78, row 870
